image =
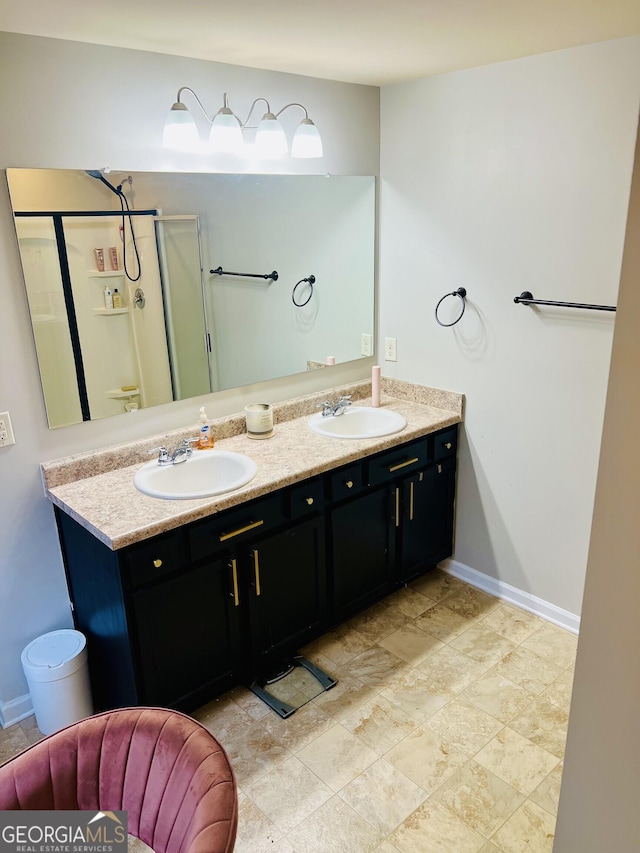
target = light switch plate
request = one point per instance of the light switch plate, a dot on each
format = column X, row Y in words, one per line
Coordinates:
column 6, row 430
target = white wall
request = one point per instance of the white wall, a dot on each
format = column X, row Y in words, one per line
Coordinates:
column 598, row 807
column 506, row 178
column 74, row 105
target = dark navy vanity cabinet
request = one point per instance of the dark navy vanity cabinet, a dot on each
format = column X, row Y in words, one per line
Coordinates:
column 177, row 619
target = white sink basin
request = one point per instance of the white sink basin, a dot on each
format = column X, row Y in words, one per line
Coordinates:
column 359, row 422
column 206, row 473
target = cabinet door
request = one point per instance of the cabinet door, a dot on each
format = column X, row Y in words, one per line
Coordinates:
column 426, row 529
column 287, row 592
column 362, row 552
column 186, row 634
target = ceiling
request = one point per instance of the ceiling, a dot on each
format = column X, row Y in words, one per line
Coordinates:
column 376, row 42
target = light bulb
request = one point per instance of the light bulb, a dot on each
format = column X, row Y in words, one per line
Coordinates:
column 306, row 140
column 226, row 134
column 180, row 131
column 271, row 141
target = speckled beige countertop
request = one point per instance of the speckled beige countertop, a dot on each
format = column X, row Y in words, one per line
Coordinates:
column 96, row 488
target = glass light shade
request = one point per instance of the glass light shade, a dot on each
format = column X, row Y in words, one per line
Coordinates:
column 306, row 140
column 180, row 131
column 271, row 141
column 226, row 134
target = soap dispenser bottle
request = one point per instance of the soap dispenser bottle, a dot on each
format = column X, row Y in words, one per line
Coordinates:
column 205, row 441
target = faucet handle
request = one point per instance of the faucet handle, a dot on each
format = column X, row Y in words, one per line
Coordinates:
column 163, row 454
column 345, row 400
column 187, row 442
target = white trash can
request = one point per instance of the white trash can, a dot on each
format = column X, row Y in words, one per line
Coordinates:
column 56, row 669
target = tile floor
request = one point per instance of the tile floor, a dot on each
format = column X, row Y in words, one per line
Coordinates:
column 445, row 733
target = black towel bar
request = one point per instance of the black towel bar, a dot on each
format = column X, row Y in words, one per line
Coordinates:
column 526, row 298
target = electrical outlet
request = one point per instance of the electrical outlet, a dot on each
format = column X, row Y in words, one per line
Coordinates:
column 6, row 430
column 365, row 344
column 390, row 349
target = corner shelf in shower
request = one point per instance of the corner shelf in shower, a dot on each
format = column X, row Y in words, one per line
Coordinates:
column 119, row 394
column 108, row 312
column 105, row 274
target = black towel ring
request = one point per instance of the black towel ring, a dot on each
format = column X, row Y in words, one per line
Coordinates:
column 461, row 293
column 310, row 281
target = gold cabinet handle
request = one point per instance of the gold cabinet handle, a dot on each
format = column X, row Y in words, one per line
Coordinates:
column 234, row 572
column 157, row 563
column 411, row 501
column 400, row 465
column 349, row 484
column 397, row 507
column 240, row 530
column 256, row 569
column 439, row 469
column 309, row 501
column 448, row 445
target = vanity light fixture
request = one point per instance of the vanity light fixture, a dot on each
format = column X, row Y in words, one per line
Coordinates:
column 226, row 133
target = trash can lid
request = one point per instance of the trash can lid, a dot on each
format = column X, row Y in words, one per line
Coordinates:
column 52, row 655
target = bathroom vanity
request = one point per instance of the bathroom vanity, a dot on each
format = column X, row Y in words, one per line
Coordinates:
column 180, row 600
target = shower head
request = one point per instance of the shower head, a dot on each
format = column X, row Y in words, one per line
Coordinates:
column 97, row 174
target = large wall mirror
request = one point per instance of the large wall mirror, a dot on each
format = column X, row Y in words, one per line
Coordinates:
column 148, row 287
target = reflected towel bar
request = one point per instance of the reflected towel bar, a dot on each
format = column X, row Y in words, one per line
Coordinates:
column 271, row 275
column 526, row 298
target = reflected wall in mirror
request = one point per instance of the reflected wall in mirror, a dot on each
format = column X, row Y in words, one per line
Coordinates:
column 177, row 328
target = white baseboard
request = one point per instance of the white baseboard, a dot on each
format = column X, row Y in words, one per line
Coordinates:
column 15, row 710
column 513, row 595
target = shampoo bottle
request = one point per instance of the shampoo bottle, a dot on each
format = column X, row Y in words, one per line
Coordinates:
column 117, row 299
column 108, row 297
column 206, row 439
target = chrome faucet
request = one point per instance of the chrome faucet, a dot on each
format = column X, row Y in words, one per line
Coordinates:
column 333, row 409
column 178, row 454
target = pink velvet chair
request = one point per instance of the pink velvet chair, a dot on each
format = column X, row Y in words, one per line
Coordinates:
column 162, row 767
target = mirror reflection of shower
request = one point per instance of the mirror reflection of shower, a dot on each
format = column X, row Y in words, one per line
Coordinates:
column 126, row 217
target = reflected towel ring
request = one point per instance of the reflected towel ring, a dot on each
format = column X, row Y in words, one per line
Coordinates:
column 310, row 281
column 462, row 294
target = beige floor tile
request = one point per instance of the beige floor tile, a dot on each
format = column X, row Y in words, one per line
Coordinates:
column 526, row 669
column 256, row 833
column 12, row 741
column 559, row 691
column 497, row 696
column 547, row 794
column 543, row 723
column 348, row 694
column 383, row 796
column 490, row 848
column 249, row 702
column 516, row 760
column 305, row 725
column 224, row 718
column 434, row 829
column 530, row 828
column 426, row 758
column 466, row 727
column 452, row 669
column 482, row 644
column 288, row 794
column 334, row 828
column 337, row 757
column 512, row 623
column 442, row 623
column 338, row 646
column 417, row 695
column 436, row 584
column 30, row 727
column 254, row 753
column 377, row 667
column 135, row 845
column 553, row 644
column 386, row 847
column 378, row 622
column 480, row 799
column 470, row 602
column 380, row 724
column 411, row 644
column 410, row 602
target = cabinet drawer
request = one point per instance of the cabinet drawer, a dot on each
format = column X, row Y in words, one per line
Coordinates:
column 445, row 443
column 216, row 534
column 396, row 463
column 155, row 558
column 349, row 481
column 306, row 499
